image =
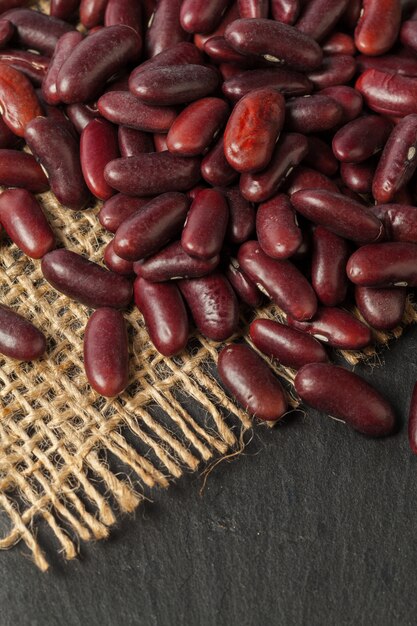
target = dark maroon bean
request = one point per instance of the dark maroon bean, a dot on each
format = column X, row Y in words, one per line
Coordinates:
column 398, row 161
column 312, row 114
column 160, row 142
column 133, row 141
column 334, row 71
column 339, row 214
column 276, row 228
column 320, row 156
column 241, row 223
column 82, row 114
column 400, row 221
column 359, row 176
column 85, row 281
column 106, row 352
column 173, row 262
column 151, row 227
column 183, row 53
column 392, row 264
column 319, row 17
column 115, row 263
column 289, row 152
column 275, row 42
column 382, row 309
column 92, row 12
column 19, row 338
column 342, row 394
column 244, row 287
column 351, row 15
column 7, row 138
column 231, row 14
column 285, row 11
column 378, row 26
column 306, row 178
column 98, row 146
column 32, row 65
column 401, row 63
column 215, row 168
column 206, row 223
column 339, row 43
column 165, row 29
column 37, row 31
column 56, row 148
column 19, row 169
column 287, row 82
column 328, row 266
column 64, row 9
column 127, row 12
column 389, row 94
column 412, row 421
column 152, row 174
column 253, row 8
column 291, row 347
column 249, row 379
column 117, row 209
column 220, row 51
column 7, row 30
column 280, row 280
column 360, row 139
column 122, row 107
column 199, row 16
column 213, row 305
column 63, row 49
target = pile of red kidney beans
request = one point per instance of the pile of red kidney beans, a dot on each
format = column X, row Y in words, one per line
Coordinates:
column 244, row 150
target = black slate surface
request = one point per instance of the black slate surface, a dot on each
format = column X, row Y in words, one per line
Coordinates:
column 314, row 524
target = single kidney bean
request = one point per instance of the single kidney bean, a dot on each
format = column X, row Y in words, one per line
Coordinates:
column 63, row 49
column 339, row 214
column 173, row 262
column 349, row 99
column 336, row 327
column 412, row 421
column 231, row 14
column 37, row 31
column 206, row 224
column 382, row 309
column 64, row 9
column 82, row 114
column 199, row 16
column 165, row 29
column 33, row 66
column 306, row 178
column 378, row 26
column 248, row 378
column 85, row 281
column 100, row 56
column 19, row 338
column 389, row 94
column 339, row 43
column 253, row 8
column 360, row 139
column 244, row 287
column 285, row 11
column 106, row 352
column 291, row 347
column 241, row 224
column 276, row 228
column 328, row 266
column 220, row 51
column 183, row 53
column 312, row 114
column 275, row 42
column 344, row 395
column 153, row 173
column 289, row 152
column 122, row 107
column 115, row 263
column 19, row 169
column 215, row 168
column 320, row 156
column 279, row 279
column 56, row 148
column 18, row 101
column 335, row 70
column 359, row 176
column 400, row 63
column 98, row 146
column 196, row 126
column 400, row 221
column 398, row 161
column 117, row 209
column 392, row 264
column 287, row 82
column 319, row 17
column 127, row 12
column 133, row 141
column 151, row 227
column 92, row 12
column 7, row 30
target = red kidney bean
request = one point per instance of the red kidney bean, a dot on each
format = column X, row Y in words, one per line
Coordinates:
column 199, row 16
column 92, row 12
column 160, row 141
column 220, row 51
column 334, row 71
column 244, row 287
column 63, row 49
column 117, row 209
column 360, row 139
column 85, row 281
column 400, row 221
column 215, row 168
column 349, row 99
column 133, row 141
column 339, row 43
column 98, row 146
column 196, row 126
column 122, row 107
column 328, row 266
column 285, row 11
column 276, row 228
column 291, row 347
column 275, row 42
column 248, row 378
column 7, row 30
column 37, row 31
column 81, row 114
column 253, row 8
column 392, row 264
column 33, row 66
column 153, row 173
column 127, row 12
column 320, row 156
column 378, row 26
column 165, row 29
column 408, row 34
column 173, row 262
column 400, row 63
column 183, row 53
column 56, row 148
column 359, row 176
column 279, row 279
column 213, row 305
column 287, row 82
column 398, row 161
column 289, row 152
column 18, row 101
column 241, row 223
column 206, row 223
column 389, row 94
column 339, row 214
column 19, row 338
column 113, row 47
column 64, row 9
column 351, row 15
column 312, row 114
column 382, row 309
column 106, row 352
column 412, row 421
column 231, row 14
column 319, row 17
column 151, row 227
column 306, row 178
column 344, row 395
column 115, row 263
column 19, row 169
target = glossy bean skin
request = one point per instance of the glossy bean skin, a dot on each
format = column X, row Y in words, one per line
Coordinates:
column 389, row 94
column 213, row 305
column 328, row 266
column 285, row 81
column 312, row 114
column 115, row 263
column 307, row 178
column 291, row 347
column 198, row 16
column 400, row 221
column 33, row 66
column 339, row 214
column 7, row 30
column 82, row 114
column 280, row 280
column 339, row 43
column 18, row 100
column 98, row 146
column 408, row 34
column 19, row 338
column 319, row 17
column 398, row 161
column 359, row 176
column 241, row 224
column 231, row 14
column 400, row 63
column 133, row 141
column 106, row 352
column 275, row 42
column 117, row 209
column 56, row 148
column 172, row 262
column 215, row 169
column 378, row 26
column 19, row 169
column 391, row 264
column 63, row 49
column 412, row 421
column 243, row 286
column 37, row 31
column 249, row 379
column 165, row 29
column 360, row 139
column 94, row 60
column 85, row 281
column 92, row 12
column 285, row 11
column 320, row 156
column 344, row 395
column 382, row 309
column 151, row 227
column 335, row 70
column 122, row 107
column 152, row 174
column 127, row 12
column 182, row 53
column 220, row 51
column 206, row 224
column 253, row 8
column 276, row 228
column 349, row 99
column 64, row 9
